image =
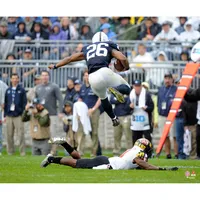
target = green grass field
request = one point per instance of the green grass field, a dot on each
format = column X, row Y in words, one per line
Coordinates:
column 16, row 169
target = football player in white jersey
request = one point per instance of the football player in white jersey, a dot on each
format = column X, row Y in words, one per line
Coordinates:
column 134, row 158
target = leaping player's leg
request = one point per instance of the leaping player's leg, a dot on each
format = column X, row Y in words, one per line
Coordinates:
column 120, row 84
column 107, row 106
column 115, row 84
column 99, row 87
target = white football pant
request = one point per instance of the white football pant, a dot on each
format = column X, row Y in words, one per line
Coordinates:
column 104, row 78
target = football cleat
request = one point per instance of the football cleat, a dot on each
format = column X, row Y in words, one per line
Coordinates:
column 57, row 140
column 117, row 94
column 45, row 162
column 116, row 121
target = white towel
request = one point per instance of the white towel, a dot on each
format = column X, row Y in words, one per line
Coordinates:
column 142, row 98
column 80, row 109
column 187, row 142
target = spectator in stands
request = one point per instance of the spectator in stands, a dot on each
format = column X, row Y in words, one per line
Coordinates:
column 93, row 103
column 149, row 31
column 155, row 80
column 123, row 111
column 77, row 88
column 3, row 88
column 4, row 34
column 101, row 21
column 12, row 25
column 189, row 35
column 155, row 110
column 85, row 33
column 78, row 48
column 142, row 105
column 39, row 127
column 142, row 60
column 77, row 22
column 21, row 33
column 15, row 102
column 179, row 121
column 81, row 124
column 46, row 24
column 19, row 19
column 28, row 72
column 124, row 30
column 177, row 72
column 54, row 19
column 143, row 55
column 156, row 26
column 56, row 34
column 31, row 93
column 114, row 22
column 190, row 123
column 70, row 91
column 136, row 20
column 37, row 19
column 7, row 71
column 49, row 93
column 67, row 124
column 184, row 56
column 166, row 94
column 193, row 95
column 70, row 31
column 106, row 28
column 181, row 28
column 38, row 33
column 167, row 33
column 28, row 23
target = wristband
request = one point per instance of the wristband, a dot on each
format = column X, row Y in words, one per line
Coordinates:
column 54, row 67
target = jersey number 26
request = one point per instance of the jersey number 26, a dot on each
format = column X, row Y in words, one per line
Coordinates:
column 97, row 49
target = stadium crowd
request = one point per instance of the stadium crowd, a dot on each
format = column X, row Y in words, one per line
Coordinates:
column 80, row 109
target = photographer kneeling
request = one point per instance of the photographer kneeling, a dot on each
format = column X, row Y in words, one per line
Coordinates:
column 39, row 126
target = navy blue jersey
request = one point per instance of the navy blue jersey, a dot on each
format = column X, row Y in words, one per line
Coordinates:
column 98, row 54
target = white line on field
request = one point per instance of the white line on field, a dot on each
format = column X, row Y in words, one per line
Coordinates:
column 191, row 167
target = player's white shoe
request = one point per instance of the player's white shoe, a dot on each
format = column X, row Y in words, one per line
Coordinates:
column 45, row 162
column 117, row 94
column 57, row 140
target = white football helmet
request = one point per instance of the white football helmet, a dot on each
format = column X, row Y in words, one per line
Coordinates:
column 100, row 37
column 195, row 53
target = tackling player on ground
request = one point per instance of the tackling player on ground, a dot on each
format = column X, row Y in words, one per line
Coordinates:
column 98, row 56
column 134, row 158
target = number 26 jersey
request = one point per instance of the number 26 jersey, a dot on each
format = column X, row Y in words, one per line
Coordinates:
column 98, row 55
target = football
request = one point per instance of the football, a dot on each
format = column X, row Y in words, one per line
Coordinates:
column 118, row 66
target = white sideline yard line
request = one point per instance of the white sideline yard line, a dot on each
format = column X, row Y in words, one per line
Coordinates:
column 190, row 167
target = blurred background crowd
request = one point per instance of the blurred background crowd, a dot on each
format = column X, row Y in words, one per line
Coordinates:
column 61, row 103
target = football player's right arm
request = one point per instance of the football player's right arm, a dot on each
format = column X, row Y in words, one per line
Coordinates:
column 145, row 165
column 74, row 57
column 120, row 56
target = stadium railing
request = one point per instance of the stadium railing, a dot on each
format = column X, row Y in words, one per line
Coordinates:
column 150, row 72
column 51, row 49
